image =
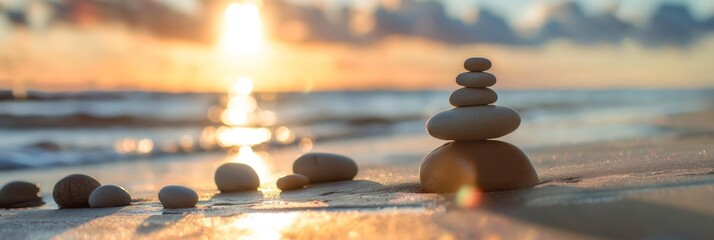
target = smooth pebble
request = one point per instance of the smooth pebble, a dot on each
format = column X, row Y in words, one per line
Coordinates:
column 464, row 97
column 292, row 181
column 73, row 191
column 236, row 177
column 325, row 167
column 109, row 196
column 20, row 194
column 476, row 79
column 486, row 165
column 175, row 196
column 477, row 64
column 473, row 123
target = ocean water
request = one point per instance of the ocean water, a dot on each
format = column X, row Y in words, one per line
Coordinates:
column 56, row 129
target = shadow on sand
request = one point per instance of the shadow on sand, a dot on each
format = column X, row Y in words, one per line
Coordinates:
column 599, row 213
column 359, row 195
column 158, row 222
column 72, row 218
column 237, row 198
column 328, row 190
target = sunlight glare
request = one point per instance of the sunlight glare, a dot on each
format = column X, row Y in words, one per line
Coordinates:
column 243, row 86
column 305, row 145
column 144, row 146
column 264, row 225
column 208, row 138
column 284, row 135
column 233, row 117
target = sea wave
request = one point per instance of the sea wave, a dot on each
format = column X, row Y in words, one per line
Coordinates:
column 56, row 129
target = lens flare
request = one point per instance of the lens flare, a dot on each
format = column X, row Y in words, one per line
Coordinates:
column 468, row 197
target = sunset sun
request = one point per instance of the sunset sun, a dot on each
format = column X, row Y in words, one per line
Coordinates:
column 242, row 29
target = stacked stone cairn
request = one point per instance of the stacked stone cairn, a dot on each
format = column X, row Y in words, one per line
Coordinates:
column 471, row 158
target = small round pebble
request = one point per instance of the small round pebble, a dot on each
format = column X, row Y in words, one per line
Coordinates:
column 109, row 196
column 175, row 196
column 476, row 79
column 236, row 177
column 464, row 97
column 325, row 167
column 20, row 194
column 292, row 181
column 477, row 64
column 73, row 191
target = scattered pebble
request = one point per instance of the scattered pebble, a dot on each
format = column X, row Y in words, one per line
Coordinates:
column 487, row 165
column 20, row 194
column 325, row 167
column 473, row 123
column 73, row 191
column 236, row 177
column 175, row 196
column 109, row 196
column 292, row 181
column 477, row 64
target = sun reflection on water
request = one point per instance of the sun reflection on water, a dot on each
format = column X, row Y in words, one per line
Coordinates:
column 245, row 126
column 242, row 136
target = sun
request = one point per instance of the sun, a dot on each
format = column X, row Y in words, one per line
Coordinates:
column 242, row 29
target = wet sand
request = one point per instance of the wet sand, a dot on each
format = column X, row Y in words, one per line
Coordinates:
column 655, row 188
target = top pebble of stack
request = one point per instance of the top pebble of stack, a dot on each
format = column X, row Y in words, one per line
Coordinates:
column 477, row 64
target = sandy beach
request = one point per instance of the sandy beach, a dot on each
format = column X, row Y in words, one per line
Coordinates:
column 645, row 188
column 416, row 119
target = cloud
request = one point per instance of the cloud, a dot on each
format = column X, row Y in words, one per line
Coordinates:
column 671, row 24
column 568, row 21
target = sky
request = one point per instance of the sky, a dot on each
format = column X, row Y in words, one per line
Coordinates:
column 311, row 45
column 514, row 10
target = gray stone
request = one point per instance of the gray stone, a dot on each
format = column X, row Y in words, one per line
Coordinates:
column 292, row 181
column 175, row 196
column 109, row 196
column 236, row 177
column 477, row 64
column 325, row 167
column 487, row 165
column 464, row 97
column 20, row 194
column 473, row 123
column 476, row 79
column 73, row 191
